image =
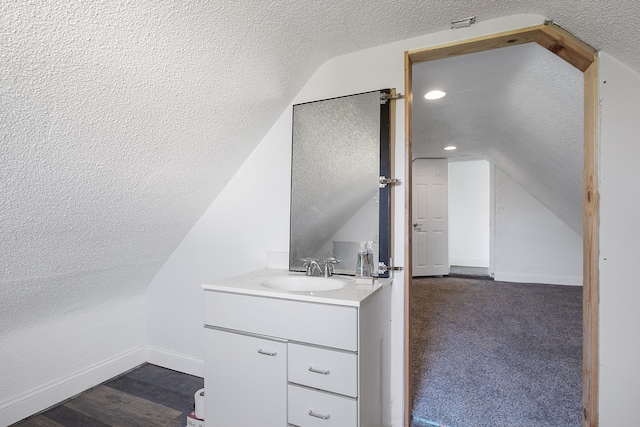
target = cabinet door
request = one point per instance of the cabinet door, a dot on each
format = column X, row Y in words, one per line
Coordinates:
column 245, row 380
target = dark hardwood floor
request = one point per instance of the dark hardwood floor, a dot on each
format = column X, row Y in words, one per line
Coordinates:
column 146, row 396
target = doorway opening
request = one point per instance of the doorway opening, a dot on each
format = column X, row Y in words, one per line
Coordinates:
column 584, row 58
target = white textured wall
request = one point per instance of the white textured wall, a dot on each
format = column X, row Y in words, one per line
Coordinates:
column 120, row 122
column 531, row 243
column 619, row 248
column 469, row 203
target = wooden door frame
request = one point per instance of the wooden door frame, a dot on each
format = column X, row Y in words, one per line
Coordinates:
column 585, row 58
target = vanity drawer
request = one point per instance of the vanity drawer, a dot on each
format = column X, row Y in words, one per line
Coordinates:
column 312, row 408
column 330, row 370
column 321, row 324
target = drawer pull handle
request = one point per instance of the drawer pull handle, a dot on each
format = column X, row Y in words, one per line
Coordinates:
column 267, row 353
column 319, row 371
column 322, row 417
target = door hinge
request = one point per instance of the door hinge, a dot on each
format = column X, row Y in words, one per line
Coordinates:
column 383, row 268
column 384, row 181
column 384, row 97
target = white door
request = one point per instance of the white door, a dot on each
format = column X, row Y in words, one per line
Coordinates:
column 430, row 217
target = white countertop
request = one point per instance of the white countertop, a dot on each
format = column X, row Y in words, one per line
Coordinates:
column 250, row 284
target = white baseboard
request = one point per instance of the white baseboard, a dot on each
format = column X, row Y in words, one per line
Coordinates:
column 470, row 262
column 538, row 278
column 50, row 394
column 181, row 362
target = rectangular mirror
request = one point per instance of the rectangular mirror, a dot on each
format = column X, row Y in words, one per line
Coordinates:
column 341, row 148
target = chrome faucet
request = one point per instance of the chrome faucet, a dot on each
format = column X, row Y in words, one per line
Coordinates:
column 312, row 264
column 325, row 268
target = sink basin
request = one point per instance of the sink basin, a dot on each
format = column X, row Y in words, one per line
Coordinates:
column 304, row 283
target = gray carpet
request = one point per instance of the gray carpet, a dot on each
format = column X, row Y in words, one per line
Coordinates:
column 496, row 354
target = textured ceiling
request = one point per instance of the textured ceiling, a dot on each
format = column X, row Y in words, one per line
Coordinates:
column 120, row 121
column 520, row 107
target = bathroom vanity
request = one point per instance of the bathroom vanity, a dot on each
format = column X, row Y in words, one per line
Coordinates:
column 280, row 352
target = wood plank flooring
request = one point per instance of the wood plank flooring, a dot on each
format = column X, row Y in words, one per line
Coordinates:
column 146, row 396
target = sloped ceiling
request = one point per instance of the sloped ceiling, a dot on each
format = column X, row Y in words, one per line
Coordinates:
column 521, row 108
column 120, row 121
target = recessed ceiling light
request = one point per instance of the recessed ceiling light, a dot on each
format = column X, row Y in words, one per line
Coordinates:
column 434, row 94
column 450, row 147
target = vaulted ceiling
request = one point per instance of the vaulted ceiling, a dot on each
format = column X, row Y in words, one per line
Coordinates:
column 520, row 107
column 121, row 121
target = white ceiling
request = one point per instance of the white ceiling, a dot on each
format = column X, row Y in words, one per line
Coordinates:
column 520, row 107
column 121, row 121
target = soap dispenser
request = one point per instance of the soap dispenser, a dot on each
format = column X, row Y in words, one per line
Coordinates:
column 370, row 257
column 363, row 268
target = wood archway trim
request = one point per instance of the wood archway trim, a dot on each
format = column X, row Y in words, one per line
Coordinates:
column 585, row 58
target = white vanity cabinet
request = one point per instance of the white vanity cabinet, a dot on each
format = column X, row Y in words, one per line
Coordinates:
column 277, row 362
